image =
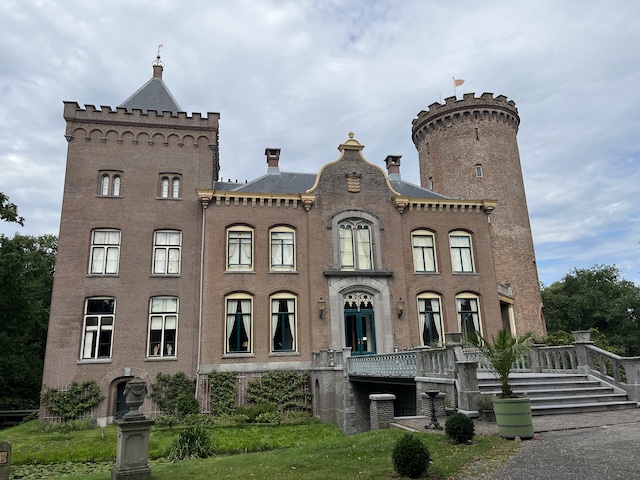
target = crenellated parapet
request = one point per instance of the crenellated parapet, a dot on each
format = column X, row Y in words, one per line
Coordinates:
column 486, row 107
column 121, row 125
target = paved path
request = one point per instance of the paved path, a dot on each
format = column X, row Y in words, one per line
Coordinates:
column 581, row 446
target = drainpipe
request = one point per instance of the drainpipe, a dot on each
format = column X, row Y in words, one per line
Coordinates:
column 205, row 203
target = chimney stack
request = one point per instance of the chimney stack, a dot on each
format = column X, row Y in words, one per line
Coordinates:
column 273, row 157
column 157, row 71
column 393, row 166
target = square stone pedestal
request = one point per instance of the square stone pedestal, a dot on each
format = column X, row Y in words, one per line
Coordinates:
column 132, row 457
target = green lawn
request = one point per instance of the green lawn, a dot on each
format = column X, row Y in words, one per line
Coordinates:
column 309, row 451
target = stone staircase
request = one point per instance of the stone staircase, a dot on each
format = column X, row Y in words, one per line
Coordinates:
column 561, row 393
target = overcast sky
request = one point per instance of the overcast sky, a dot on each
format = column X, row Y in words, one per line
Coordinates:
column 299, row 75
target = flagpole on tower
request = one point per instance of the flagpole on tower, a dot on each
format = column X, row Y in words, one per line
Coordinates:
column 456, row 83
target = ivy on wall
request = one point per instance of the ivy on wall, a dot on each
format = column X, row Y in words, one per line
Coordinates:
column 223, row 393
column 171, row 391
column 71, row 403
column 285, row 389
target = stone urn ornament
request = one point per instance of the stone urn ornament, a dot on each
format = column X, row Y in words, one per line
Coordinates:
column 134, row 392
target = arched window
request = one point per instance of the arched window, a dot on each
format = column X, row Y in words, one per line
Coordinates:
column 355, row 245
column 116, row 186
column 461, row 252
column 163, row 326
column 282, row 244
column 239, row 248
column 164, row 189
column 283, row 323
column 104, row 185
column 430, row 319
column 99, row 315
column 238, row 323
column 424, row 251
column 176, row 188
column 105, row 251
column 468, row 315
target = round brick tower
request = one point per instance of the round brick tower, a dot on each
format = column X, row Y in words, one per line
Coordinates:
column 468, row 148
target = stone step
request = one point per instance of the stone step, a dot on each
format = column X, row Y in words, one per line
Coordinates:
column 541, row 385
column 581, row 408
column 578, row 399
column 535, row 378
column 553, row 392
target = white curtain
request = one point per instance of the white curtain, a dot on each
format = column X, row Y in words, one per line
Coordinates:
column 246, row 318
column 437, row 320
column 176, row 188
column 112, row 260
column 174, row 260
column 423, row 259
column 104, row 190
column 364, row 249
column 160, row 261
column 116, row 186
column 97, row 260
column 292, row 319
column 274, row 317
column 346, row 246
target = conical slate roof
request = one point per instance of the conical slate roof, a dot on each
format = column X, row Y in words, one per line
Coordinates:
column 153, row 95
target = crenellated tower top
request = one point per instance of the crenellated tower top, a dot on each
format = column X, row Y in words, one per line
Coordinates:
column 469, row 108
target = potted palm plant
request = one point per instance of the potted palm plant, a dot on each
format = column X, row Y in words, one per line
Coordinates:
column 513, row 413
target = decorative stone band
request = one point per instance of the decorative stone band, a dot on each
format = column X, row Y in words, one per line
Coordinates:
column 430, row 205
column 249, row 199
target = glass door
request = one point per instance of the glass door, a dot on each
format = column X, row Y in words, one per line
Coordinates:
column 360, row 331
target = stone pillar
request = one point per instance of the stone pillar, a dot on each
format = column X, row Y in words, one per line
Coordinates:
column 132, row 455
column 632, row 369
column 469, row 390
column 582, row 338
column 536, row 364
column 5, row 460
column 381, row 410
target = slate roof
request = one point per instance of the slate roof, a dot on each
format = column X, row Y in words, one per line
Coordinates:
column 153, row 95
column 291, row 182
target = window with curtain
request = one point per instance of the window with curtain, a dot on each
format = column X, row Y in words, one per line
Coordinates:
column 461, row 254
column 430, row 319
column 104, row 185
column 468, row 315
column 163, row 325
column 283, row 324
column 282, row 249
column 99, row 315
column 355, row 245
column 167, row 245
column 116, row 186
column 239, row 249
column 105, row 252
column 238, row 325
column 175, row 192
column 424, row 251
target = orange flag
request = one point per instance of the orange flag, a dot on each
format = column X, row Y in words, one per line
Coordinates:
column 457, row 83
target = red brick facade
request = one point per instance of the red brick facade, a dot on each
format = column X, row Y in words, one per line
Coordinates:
column 243, row 321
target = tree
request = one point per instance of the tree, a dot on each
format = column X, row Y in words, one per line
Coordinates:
column 9, row 211
column 596, row 297
column 26, row 278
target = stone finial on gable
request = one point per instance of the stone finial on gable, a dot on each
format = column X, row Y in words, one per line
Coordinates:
column 351, row 144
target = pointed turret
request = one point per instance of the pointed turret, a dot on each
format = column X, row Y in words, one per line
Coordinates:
column 153, row 95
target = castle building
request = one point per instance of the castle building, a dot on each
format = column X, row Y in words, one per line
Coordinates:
column 163, row 267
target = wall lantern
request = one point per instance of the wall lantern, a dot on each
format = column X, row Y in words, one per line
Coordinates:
column 321, row 306
column 400, row 307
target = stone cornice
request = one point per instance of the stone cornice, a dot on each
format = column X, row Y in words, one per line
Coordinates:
column 255, row 199
column 403, row 203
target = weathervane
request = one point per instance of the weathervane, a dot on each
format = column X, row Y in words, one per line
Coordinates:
column 158, row 61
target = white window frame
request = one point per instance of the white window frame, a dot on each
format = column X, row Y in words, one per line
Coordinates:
column 105, row 181
column 104, row 257
column 424, row 256
column 289, row 323
column 461, row 254
column 282, row 250
column 233, row 303
column 355, row 239
column 110, row 183
column 240, row 247
column 164, row 187
column 473, row 312
column 95, row 326
column 430, row 316
column 162, row 340
column 175, row 187
column 117, row 185
column 167, row 254
column 479, row 170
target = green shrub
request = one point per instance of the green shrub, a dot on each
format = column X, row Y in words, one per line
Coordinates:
column 67, row 427
column 166, row 421
column 222, row 399
column 253, row 411
column 298, row 416
column 410, row 456
column 459, row 428
column 484, row 402
column 71, row 403
column 268, row 417
column 192, row 441
column 201, row 419
column 186, row 404
column 166, row 390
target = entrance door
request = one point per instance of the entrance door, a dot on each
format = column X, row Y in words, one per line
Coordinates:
column 360, row 331
column 121, row 404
